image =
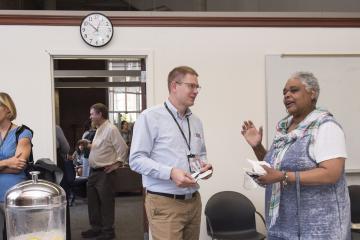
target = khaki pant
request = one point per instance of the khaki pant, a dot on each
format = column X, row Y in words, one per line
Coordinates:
column 173, row 219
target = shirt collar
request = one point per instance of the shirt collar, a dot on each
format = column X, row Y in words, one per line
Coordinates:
column 107, row 121
column 175, row 111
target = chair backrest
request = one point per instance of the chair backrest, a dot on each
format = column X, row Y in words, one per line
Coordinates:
column 354, row 192
column 48, row 170
column 230, row 211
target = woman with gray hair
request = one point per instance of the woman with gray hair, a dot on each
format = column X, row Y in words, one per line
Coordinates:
column 306, row 192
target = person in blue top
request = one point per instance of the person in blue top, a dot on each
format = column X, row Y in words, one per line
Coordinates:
column 306, row 192
column 13, row 157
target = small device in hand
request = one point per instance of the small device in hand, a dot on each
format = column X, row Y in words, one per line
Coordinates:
column 198, row 175
column 253, row 175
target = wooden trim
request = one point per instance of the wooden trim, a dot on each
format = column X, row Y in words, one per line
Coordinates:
column 165, row 21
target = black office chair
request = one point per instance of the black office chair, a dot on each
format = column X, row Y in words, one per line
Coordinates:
column 354, row 192
column 231, row 215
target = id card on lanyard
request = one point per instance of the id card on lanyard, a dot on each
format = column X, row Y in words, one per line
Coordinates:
column 193, row 159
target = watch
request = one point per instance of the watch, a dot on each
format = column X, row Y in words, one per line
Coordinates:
column 96, row 29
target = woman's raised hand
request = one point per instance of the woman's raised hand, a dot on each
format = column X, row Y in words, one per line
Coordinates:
column 251, row 134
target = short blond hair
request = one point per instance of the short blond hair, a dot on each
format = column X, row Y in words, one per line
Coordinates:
column 178, row 73
column 6, row 101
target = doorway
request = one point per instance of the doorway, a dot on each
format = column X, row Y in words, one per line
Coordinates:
column 120, row 83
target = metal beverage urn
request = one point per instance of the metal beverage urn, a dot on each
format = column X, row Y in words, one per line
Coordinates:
column 35, row 210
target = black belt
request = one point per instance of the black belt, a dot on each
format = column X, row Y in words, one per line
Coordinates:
column 174, row 196
column 97, row 169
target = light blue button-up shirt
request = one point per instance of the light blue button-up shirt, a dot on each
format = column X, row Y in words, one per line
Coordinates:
column 157, row 146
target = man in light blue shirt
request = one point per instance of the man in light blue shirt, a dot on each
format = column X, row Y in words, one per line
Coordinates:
column 167, row 148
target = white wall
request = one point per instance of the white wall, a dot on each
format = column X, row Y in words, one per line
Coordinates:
column 230, row 61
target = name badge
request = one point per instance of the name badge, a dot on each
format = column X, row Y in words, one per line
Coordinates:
column 194, row 163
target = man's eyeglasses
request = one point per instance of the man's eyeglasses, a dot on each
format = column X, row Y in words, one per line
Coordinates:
column 191, row 86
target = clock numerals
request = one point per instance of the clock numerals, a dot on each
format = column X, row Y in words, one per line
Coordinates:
column 96, row 30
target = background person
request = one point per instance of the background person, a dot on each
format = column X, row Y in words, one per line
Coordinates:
column 127, row 135
column 165, row 139
column 67, row 166
column 89, row 132
column 13, row 157
column 306, row 191
column 80, row 158
column 108, row 150
column 125, row 132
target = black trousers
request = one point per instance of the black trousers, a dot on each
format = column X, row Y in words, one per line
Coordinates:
column 2, row 223
column 101, row 201
column 69, row 175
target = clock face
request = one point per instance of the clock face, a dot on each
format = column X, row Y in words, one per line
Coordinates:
column 96, row 30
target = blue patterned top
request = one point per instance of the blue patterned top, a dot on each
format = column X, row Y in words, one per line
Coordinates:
column 7, row 150
column 324, row 209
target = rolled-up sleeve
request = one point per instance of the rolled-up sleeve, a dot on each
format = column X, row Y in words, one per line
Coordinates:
column 141, row 148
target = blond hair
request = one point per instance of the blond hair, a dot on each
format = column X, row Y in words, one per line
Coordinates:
column 6, row 101
column 178, row 73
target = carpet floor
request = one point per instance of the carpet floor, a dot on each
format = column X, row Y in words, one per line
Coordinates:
column 128, row 217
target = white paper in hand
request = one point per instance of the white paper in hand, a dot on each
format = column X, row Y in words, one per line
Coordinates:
column 251, row 174
column 199, row 175
column 257, row 166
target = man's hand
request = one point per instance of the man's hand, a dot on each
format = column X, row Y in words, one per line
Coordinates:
column 16, row 162
column 112, row 167
column 181, row 178
column 204, row 168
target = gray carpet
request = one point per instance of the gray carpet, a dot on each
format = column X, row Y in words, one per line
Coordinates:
column 128, row 218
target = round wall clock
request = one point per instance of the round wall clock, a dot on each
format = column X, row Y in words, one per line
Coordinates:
column 96, row 30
